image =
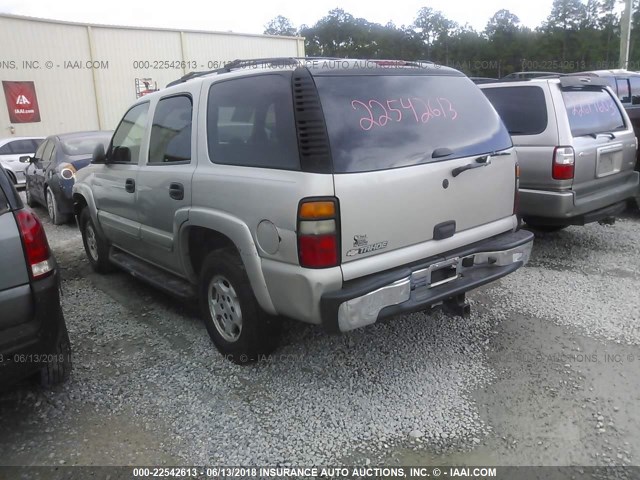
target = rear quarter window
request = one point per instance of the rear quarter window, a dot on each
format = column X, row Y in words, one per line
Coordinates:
column 380, row 122
column 250, row 123
column 592, row 111
column 522, row 109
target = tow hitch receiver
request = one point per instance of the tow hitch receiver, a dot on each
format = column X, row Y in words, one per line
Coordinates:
column 457, row 305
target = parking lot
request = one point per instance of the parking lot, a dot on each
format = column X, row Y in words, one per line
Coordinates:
column 545, row 372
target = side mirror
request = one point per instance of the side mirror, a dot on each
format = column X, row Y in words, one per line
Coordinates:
column 25, row 159
column 98, row 154
column 635, row 100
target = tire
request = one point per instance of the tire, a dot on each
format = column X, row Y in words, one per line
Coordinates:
column 58, row 369
column 30, row 201
column 56, row 217
column 95, row 246
column 248, row 332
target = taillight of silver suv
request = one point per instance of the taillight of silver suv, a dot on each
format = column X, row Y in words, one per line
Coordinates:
column 318, row 233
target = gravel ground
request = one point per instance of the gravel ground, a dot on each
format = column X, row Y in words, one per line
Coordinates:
column 148, row 386
column 588, row 278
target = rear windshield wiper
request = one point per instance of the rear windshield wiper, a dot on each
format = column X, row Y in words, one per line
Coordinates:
column 481, row 161
column 441, row 152
column 611, row 135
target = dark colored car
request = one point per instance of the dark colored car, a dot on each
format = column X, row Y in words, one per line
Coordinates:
column 33, row 333
column 52, row 172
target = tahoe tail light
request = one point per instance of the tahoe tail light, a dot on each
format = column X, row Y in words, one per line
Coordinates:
column 34, row 240
column 564, row 161
column 318, row 244
column 516, row 195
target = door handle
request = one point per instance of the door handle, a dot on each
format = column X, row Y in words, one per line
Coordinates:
column 130, row 185
column 176, row 191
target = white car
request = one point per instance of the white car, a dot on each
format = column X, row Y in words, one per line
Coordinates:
column 11, row 149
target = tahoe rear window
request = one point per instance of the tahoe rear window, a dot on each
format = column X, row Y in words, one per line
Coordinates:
column 381, row 122
column 522, row 109
column 591, row 112
column 250, row 123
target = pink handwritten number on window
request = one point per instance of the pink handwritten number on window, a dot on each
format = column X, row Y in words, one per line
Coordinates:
column 409, row 105
column 363, row 121
column 450, row 108
column 397, row 110
column 599, row 106
column 384, row 118
column 385, row 112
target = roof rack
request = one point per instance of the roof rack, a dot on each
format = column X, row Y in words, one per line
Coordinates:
column 512, row 80
column 239, row 63
column 284, row 62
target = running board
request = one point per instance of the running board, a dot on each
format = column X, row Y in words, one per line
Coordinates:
column 153, row 275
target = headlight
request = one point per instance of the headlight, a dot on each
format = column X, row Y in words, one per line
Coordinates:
column 67, row 171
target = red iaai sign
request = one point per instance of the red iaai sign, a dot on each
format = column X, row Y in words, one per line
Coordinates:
column 22, row 102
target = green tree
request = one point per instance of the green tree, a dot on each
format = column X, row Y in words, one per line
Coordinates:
column 432, row 25
column 566, row 18
column 280, row 26
column 503, row 31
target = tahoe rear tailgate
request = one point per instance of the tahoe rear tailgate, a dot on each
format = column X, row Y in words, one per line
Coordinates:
column 396, row 142
column 602, row 137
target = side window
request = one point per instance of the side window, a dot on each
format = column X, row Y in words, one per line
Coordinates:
column 623, row 90
column 171, row 131
column 522, row 109
column 635, row 90
column 5, row 149
column 40, row 151
column 125, row 146
column 250, row 123
column 22, row 147
column 46, row 155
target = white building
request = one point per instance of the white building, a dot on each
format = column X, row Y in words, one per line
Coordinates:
column 85, row 76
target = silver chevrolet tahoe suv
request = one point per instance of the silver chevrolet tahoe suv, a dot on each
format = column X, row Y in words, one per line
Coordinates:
column 334, row 192
column 576, row 148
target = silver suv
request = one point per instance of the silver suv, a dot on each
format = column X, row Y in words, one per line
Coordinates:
column 332, row 192
column 576, row 148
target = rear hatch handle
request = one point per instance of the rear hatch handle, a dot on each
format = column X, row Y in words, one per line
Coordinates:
column 481, row 161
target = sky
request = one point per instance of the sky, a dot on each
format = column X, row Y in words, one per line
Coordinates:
column 250, row 16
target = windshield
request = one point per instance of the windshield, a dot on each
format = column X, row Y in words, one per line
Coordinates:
column 84, row 145
column 592, row 112
column 381, row 122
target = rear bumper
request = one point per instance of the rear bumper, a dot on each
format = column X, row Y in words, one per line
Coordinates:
column 24, row 348
column 421, row 285
column 571, row 209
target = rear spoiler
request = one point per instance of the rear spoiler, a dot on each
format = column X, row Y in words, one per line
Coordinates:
column 575, row 81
